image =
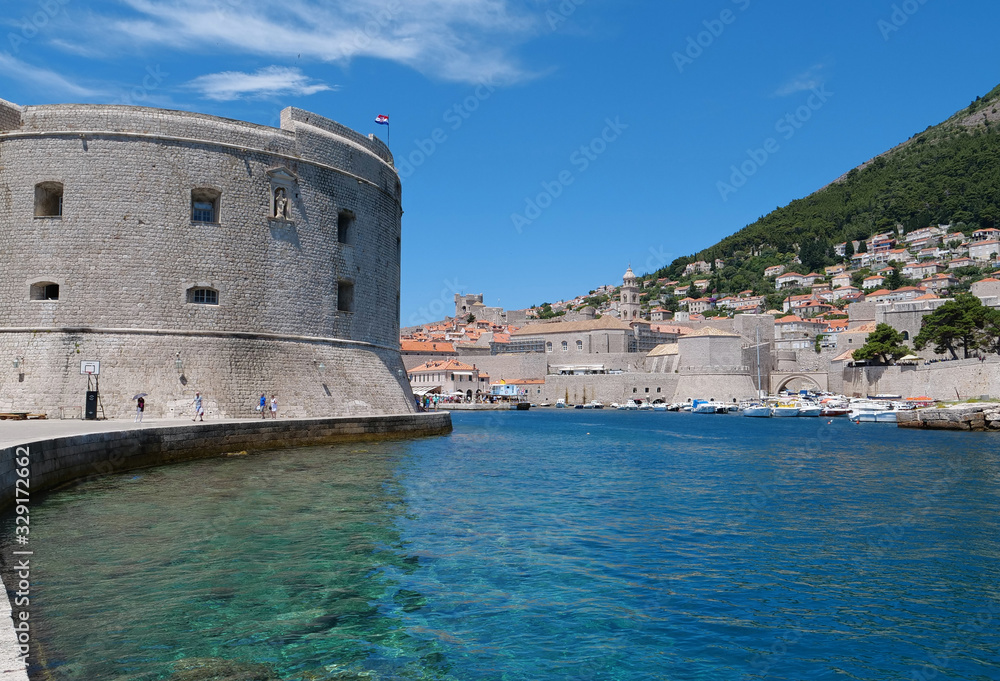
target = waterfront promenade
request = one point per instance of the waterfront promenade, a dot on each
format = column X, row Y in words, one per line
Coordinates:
column 63, row 451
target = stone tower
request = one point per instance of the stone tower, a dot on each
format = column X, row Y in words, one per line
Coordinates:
column 628, row 306
column 186, row 252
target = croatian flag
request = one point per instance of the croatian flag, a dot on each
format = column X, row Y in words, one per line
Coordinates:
column 382, row 119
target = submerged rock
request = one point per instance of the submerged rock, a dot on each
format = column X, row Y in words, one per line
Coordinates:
column 218, row 669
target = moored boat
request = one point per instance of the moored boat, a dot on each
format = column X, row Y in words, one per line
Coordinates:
column 756, row 410
column 786, row 409
column 872, row 411
column 709, row 407
column 809, row 408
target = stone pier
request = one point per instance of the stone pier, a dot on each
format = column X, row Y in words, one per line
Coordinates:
column 971, row 417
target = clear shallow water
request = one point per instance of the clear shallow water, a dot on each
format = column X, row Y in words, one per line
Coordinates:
column 539, row 545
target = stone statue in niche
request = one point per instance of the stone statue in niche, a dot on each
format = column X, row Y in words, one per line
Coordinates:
column 280, row 204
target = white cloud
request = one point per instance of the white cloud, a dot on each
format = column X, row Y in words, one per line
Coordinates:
column 42, row 78
column 811, row 78
column 266, row 82
column 457, row 40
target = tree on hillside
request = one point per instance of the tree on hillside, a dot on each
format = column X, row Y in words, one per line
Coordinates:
column 848, row 250
column 961, row 323
column 894, row 280
column 815, row 254
column 884, row 344
column 862, row 246
column 988, row 337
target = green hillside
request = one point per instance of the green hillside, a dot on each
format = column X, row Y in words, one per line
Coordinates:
column 947, row 174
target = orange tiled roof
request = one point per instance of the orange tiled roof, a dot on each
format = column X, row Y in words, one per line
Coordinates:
column 442, row 365
column 425, row 346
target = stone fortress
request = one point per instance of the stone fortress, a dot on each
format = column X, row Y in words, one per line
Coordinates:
column 189, row 253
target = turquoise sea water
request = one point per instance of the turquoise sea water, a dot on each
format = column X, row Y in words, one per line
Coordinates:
column 539, row 545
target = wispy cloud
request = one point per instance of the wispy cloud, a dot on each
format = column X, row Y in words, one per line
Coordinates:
column 466, row 40
column 42, row 78
column 809, row 79
column 271, row 81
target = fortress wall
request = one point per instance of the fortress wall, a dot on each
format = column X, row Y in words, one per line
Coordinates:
column 271, row 275
column 952, row 380
column 606, row 388
column 231, row 373
column 60, row 460
column 10, row 116
column 373, row 144
column 134, row 119
column 510, row 367
column 125, row 251
column 720, row 387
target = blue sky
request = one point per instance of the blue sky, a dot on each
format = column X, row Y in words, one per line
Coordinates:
column 543, row 144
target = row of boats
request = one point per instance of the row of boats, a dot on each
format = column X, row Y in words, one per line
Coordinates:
column 860, row 410
column 872, row 410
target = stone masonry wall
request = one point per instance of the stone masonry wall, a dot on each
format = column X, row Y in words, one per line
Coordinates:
column 125, row 252
column 10, row 115
column 607, row 388
column 61, row 460
column 960, row 379
column 230, row 372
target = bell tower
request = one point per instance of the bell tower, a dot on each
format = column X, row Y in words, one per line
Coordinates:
column 628, row 306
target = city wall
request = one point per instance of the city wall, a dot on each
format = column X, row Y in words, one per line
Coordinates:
column 318, row 286
column 57, row 461
column 606, row 388
column 959, row 379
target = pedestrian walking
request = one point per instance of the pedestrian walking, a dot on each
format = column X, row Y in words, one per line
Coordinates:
column 262, row 407
column 199, row 410
column 274, row 407
column 140, row 406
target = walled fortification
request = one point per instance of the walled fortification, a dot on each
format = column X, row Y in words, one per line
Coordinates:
column 188, row 253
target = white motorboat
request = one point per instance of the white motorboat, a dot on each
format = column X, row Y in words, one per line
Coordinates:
column 871, row 411
column 646, row 406
column 595, row 404
column 561, row 403
column 709, row 407
column 809, row 408
column 785, row 409
column 757, row 410
column 630, row 406
column 660, row 406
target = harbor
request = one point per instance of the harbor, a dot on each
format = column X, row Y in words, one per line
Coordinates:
column 454, row 557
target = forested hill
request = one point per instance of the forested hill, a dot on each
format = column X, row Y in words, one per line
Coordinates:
column 948, row 174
